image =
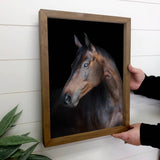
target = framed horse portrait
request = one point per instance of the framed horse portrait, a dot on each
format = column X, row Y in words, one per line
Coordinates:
column 85, row 81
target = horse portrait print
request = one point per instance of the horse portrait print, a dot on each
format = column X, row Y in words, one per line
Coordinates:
column 91, row 98
column 84, row 77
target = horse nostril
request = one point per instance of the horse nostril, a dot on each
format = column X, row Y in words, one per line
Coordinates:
column 67, row 99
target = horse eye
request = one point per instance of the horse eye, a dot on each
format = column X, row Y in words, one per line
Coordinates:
column 86, row 65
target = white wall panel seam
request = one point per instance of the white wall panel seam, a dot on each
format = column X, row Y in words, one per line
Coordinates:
column 20, row 92
column 139, row 1
column 32, row 122
column 18, row 25
column 141, row 29
column 153, row 55
column 32, row 59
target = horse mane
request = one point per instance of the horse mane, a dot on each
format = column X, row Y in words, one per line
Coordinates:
column 105, row 54
column 95, row 97
column 94, row 109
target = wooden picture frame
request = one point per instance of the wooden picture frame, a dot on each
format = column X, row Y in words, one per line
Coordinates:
column 44, row 15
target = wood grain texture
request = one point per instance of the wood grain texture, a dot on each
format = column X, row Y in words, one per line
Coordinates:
column 44, row 14
column 86, row 135
column 126, row 74
column 84, row 16
column 45, row 77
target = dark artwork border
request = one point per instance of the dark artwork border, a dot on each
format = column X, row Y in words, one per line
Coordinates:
column 57, row 30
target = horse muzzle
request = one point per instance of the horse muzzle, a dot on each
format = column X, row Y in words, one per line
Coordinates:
column 69, row 100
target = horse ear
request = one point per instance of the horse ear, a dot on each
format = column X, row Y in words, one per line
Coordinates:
column 77, row 42
column 88, row 43
column 107, row 74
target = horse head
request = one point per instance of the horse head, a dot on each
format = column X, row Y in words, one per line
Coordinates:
column 88, row 70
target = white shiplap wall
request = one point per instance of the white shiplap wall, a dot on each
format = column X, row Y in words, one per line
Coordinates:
column 20, row 71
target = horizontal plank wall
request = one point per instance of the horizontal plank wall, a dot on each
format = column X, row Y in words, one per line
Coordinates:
column 21, row 12
column 145, row 42
column 19, row 75
column 20, row 71
column 23, row 42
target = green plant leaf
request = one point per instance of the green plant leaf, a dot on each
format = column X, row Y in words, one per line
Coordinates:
column 10, row 145
column 17, row 154
column 7, row 151
column 37, row 157
column 15, row 118
column 28, row 152
column 16, row 140
column 26, row 134
column 6, row 121
column 13, row 125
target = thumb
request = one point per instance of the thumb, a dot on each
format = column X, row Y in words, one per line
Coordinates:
column 132, row 126
column 132, row 69
column 119, row 135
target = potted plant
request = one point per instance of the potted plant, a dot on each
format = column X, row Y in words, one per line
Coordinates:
column 10, row 146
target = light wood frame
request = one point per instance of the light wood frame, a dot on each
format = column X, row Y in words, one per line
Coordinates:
column 43, row 30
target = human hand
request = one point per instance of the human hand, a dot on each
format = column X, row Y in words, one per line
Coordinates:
column 137, row 77
column 131, row 136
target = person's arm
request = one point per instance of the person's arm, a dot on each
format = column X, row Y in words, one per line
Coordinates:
column 149, row 135
column 144, row 134
column 150, row 87
column 142, row 84
column 132, row 136
column 141, row 134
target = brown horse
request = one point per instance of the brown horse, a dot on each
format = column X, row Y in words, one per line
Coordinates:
column 92, row 96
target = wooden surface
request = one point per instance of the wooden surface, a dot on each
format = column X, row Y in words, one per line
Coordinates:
column 44, row 14
column 126, row 74
column 84, row 16
column 45, row 78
